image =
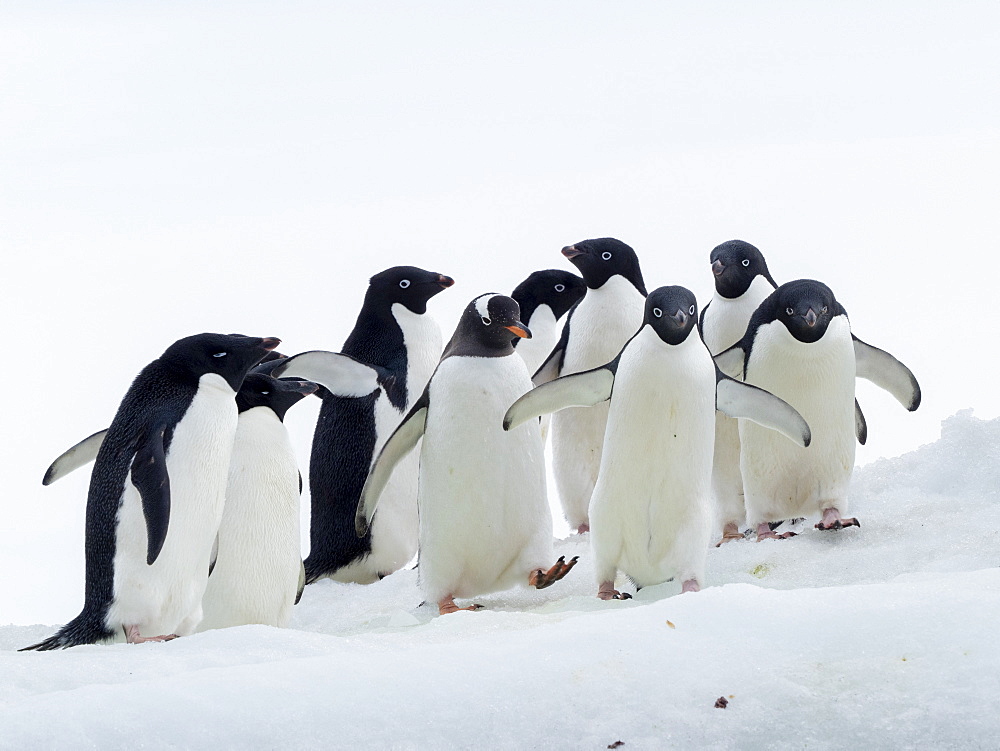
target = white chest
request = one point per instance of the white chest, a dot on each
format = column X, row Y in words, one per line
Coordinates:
column 602, row 323
column 544, row 335
column 726, row 319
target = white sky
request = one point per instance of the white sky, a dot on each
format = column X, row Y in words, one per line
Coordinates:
column 167, row 169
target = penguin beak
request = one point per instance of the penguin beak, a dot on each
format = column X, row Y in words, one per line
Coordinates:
column 571, row 252
column 718, row 268
column 680, row 318
column 519, row 329
column 270, row 343
column 302, row 387
column 445, row 281
column 810, row 317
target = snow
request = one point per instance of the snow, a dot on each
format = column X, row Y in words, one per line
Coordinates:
column 881, row 636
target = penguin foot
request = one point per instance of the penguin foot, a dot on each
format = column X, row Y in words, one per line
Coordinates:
column 691, row 585
column 132, row 636
column 541, row 579
column 447, row 605
column 764, row 532
column 583, row 528
column 730, row 532
column 832, row 520
column 607, row 591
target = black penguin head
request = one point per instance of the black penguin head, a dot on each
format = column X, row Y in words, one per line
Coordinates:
column 406, row 285
column 558, row 289
column 601, row 259
column 735, row 264
column 672, row 312
column 259, row 390
column 487, row 327
column 229, row 355
column 806, row 307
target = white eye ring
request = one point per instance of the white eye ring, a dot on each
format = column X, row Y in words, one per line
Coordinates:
column 691, row 311
column 790, row 311
column 746, row 261
column 486, row 321
column 404, row 283
column 560, row 287
column 220, row 354
column 606, row 255
column 265, row 393
column 825, row 310
column 657, row 312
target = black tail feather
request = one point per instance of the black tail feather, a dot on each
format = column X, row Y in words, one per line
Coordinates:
column 84, row 629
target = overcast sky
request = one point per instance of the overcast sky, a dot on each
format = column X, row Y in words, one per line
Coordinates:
column 167, row 169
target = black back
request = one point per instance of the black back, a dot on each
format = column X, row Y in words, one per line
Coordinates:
column 599, row 260
column 672, row 313
column 735, row 264
column 155, row 402
column 345, row 438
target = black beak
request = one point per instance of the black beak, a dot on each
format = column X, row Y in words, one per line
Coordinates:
column 718, row 268
column 680, row 318
column 810, row 317
column 571, row 252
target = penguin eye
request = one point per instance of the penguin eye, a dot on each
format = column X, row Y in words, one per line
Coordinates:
column 404, row 283
column 691, row 311
column 486, row 321
column 560, row 287
column 790, row 311
column 825, row 310
column 265, row 393
column 606, row 255
column 657, row 312
column 220, row 354
column 746, row 261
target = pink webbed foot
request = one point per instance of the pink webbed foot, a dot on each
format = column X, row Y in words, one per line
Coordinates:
column 541, row 579
column 132, row 636
column 691, row 585
column 585, row 527
column 730, row 532
column 447, row 605
column 764, row 532
column 607, row 591
column 832, row 520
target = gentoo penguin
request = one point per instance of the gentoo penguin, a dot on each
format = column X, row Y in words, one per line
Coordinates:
column 651, row 511
column 156, row 493
column 742, row 281
column 485, row 523
column 258, row 573
column 594, row 332
column 400, row 345
column 799, row 346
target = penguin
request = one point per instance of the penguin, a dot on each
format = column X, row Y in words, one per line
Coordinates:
column 485, row 523
column 742, row 282
column 258, row 573
column 651, row 510
column 157, row 491
column 799, row 346
column 594, row 332
column 394, row 348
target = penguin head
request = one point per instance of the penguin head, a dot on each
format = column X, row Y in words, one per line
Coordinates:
column 487, row 327
column 672, row 312
column 259, row 390
column 806, row 308
column 599, row 260
column 735, row 264
column 558, row 289
column 229, row 355
column 406, row 285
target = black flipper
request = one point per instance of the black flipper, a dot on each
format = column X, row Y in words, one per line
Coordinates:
column 149, row 475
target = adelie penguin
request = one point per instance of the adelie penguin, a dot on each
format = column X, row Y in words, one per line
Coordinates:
column 157, row 491
column 742, row 282
column 651, row 511
column 799, row 346
column 594, row 332
column 384, row 365
column 485, row 523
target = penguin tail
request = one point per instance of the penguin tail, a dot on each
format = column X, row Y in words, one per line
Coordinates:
column 84, row 629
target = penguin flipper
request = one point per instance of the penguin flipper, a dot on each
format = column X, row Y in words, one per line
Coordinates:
column 72, row 459
column 737, row 399
column 302, row 581
column 860, row 424
column 400, row 443
column 577, row 390
column 732, row 361
column 340, row 374
column 149, row 475
column 552, row 367
column 886, row 372
column 215, row 555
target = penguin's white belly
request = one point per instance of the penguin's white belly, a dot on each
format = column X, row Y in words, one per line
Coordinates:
column 544, row 335
column 165, row 598
column 726, row 319
column 394, row 526
column 650, row 512
column 256, row 574
column 601, row 324
column 484, row 518
column 781, row 479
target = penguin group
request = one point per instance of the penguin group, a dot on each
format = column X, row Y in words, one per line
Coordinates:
column 667, row 423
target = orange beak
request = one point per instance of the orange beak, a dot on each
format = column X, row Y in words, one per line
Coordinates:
column 519, row 331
